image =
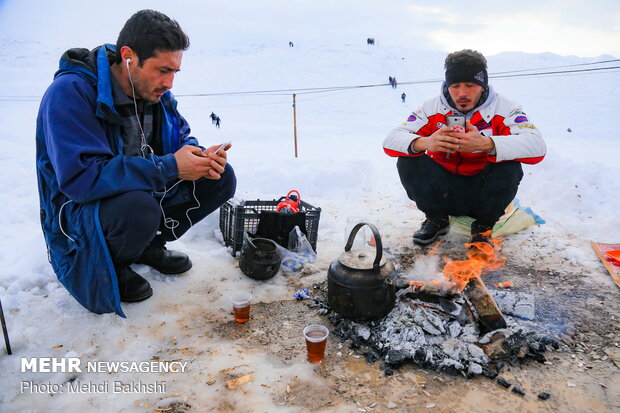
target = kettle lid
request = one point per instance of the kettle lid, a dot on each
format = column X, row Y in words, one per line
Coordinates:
column 363, row 259
column 360, row 259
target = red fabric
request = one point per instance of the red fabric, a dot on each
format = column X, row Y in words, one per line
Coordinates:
column 460, row 163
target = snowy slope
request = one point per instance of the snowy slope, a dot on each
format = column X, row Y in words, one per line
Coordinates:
column 341, row 168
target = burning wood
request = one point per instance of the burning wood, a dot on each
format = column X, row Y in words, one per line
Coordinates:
column 489, row 315
column 464, row 276
column 431, row 288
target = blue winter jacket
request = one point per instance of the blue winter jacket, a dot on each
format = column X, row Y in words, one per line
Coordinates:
column 80, row 161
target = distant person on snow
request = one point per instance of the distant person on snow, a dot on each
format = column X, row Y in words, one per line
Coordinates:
column 290, row 44
column 217, row 121
column 111, row 175
column 475, row 172
column 403, row 97
column 394, row 84
column 212, row 116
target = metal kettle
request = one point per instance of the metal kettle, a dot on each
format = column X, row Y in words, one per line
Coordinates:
column 360, row 286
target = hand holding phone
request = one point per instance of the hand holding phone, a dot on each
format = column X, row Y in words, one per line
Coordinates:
column 457, row 122
column 217, row 163
column 222, row 147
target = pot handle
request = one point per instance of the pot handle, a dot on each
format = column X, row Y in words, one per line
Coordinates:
column 247, row 238
column 378, row 243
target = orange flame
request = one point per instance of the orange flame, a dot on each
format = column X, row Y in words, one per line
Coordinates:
column 481, row 257
column 434, row 249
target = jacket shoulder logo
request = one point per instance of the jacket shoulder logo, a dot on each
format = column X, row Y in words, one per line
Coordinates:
column 526, row 125
column 520, row 119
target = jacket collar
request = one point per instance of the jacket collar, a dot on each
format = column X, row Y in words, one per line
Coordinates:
column 105, row 98
column 483, row 108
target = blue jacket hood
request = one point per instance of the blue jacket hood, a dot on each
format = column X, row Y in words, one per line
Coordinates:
column 94, row 66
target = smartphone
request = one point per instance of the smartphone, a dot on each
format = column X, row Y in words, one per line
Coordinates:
column 459, row 122
column 222, row 147
column 456, row 120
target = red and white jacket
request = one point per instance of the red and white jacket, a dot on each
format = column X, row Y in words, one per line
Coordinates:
column 515, row 137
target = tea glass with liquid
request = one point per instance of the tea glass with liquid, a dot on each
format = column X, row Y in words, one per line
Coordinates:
column 316, row 339
column 241, row 306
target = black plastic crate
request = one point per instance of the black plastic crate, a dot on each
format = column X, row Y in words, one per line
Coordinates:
column 238, row 216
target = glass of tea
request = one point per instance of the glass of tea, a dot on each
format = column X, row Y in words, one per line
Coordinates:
column 316, row 338
column 241, row 306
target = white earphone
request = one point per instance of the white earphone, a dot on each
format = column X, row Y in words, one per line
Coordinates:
column 170, row 223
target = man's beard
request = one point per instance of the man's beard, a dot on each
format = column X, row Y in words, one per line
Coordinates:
column 143, row 91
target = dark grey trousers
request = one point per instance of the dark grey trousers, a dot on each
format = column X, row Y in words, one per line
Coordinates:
column 439, row 193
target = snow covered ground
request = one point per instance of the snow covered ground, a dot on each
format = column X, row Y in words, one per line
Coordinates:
column 341, row 168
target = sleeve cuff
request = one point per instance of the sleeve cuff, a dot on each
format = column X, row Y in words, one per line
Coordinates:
column 170, row 166
column 411, row 150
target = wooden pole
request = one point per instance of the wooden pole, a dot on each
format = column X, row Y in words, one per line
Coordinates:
column 7, row 344
column 295, row 123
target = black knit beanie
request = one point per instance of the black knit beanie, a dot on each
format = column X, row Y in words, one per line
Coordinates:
column 475, row 74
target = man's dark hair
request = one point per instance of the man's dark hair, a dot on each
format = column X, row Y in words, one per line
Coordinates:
column 149, row 31
column 466, row 57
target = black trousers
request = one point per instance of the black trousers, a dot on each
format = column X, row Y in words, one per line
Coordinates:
column 131, row 220
column 439, row 193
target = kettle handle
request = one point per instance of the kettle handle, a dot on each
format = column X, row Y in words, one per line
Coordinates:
column 378, row 243
column 288, row 196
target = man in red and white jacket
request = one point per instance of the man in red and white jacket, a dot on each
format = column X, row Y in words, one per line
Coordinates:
column 474, row 172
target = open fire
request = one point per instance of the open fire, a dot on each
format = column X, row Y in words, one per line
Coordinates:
column 449, row 323
column 481, row 257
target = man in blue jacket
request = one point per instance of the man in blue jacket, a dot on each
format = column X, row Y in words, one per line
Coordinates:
column 119, row 174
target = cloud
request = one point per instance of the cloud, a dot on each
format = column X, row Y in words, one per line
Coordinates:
column 528, row 33
column 562, row 27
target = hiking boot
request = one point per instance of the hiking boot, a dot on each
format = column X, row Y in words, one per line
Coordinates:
column 157, row 256
column 481, row 241
column 481, row 233
column 482, row 237
column 431, row 229
column 131, row 286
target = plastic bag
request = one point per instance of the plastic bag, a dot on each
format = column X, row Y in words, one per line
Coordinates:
column 301, row 294
column 515, row 219
column 298, row 253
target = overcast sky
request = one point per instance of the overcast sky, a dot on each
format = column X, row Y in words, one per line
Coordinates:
column 565, row 27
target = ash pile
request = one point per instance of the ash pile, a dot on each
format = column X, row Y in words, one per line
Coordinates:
column 450, row 333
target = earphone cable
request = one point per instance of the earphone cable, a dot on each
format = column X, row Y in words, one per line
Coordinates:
column 143, row 144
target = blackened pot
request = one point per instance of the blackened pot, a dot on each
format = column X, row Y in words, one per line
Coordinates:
column 259, row 258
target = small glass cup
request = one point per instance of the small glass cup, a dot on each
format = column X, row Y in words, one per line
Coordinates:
column 241, row 306
column 316, row 338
